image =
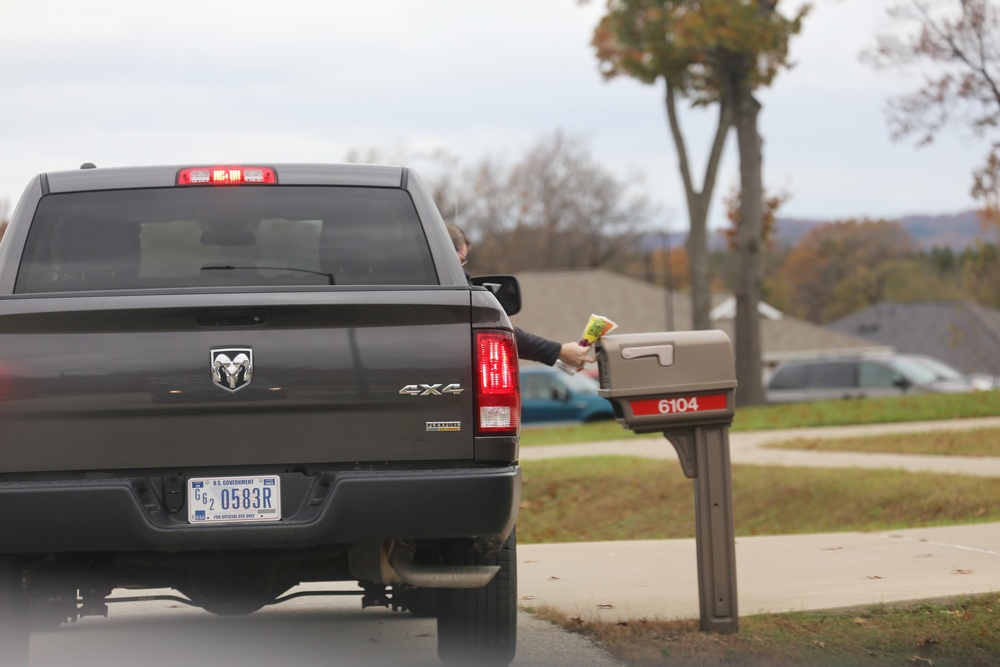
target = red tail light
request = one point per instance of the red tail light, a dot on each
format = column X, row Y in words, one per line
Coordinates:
column 227, row 176
column 498, row 391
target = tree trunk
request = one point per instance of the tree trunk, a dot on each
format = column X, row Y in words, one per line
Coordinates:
column 698, row 203
column 697, row 250
column 747, row 283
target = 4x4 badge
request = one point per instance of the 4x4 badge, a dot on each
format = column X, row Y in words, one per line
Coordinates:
column 431, row 389
column 232, row 367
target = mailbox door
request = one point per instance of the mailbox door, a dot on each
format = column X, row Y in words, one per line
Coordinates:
column 666, row 379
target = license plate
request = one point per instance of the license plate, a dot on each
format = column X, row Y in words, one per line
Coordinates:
column 228, row 499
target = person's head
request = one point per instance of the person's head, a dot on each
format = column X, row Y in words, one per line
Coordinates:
column 461, row 242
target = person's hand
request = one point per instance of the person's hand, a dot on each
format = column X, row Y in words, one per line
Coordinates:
column 576, row 356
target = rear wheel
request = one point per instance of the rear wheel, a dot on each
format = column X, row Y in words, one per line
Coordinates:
column 15, row 633
column 478, row 626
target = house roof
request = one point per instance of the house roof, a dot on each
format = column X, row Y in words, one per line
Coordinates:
column 959, row 332
column 557, row 305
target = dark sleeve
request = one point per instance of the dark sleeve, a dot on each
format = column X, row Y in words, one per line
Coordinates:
column 536, row 348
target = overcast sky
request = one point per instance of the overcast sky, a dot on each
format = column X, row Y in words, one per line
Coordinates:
column 124, row 82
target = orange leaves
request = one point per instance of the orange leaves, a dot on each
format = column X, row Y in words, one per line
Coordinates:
column 690, row 43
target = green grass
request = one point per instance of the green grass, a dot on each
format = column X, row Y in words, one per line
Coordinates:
column 567, row 434
column 625, row 498
column 958, row 633
column 975, row 442
column 618, row 498
column 920, row 407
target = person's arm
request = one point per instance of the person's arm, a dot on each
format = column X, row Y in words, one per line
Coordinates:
column 536, row 348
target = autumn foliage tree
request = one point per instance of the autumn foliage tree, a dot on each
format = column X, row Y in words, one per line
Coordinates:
column 841, row 267
column 954, row 46
column 768, row 228
column 710, row 52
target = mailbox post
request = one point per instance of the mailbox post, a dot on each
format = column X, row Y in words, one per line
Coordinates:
column 683, row 384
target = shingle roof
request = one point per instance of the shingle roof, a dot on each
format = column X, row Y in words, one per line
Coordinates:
column 959, row 332
column 557, row 304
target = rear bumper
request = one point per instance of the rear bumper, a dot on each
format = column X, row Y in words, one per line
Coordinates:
column 128, row 514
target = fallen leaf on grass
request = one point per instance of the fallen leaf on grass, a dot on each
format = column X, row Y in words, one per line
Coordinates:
column 818, row 644
column 917, row 660
column 859, row 621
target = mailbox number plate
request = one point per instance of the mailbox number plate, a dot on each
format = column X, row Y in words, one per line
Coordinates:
column 678, row 405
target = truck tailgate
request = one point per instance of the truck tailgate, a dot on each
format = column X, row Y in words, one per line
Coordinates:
column 337, row 376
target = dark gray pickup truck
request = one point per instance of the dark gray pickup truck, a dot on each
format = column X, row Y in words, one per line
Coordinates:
column 230, row 380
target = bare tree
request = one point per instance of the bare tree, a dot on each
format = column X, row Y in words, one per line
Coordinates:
column 955, row 46
column 438, row 169
column 554, row 208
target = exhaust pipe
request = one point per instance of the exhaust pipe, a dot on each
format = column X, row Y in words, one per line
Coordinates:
column 438, row 576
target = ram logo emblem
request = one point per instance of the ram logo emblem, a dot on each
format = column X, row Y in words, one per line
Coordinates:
column 232, row 367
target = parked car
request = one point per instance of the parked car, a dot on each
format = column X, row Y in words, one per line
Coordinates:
column 944, row 371
column 552, row 395
column 857, row 377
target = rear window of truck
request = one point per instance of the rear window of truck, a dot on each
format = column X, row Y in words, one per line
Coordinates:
column 229, row 236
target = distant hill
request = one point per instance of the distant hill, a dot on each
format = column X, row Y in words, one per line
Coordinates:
column 955, row 231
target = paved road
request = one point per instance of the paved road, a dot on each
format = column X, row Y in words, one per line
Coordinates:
column 307, row 632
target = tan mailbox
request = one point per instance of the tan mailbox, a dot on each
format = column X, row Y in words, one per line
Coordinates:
column 683, row 384
column 658, row 380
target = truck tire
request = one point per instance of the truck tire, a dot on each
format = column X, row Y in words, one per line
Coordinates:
column 478, row 626
column 15, row 633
